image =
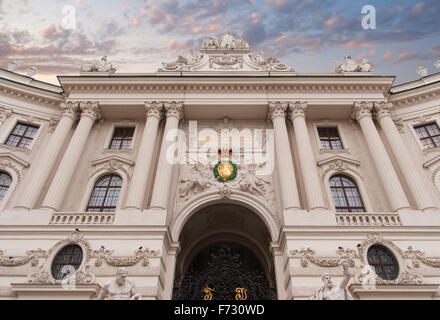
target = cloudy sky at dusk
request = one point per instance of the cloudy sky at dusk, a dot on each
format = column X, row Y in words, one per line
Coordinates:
column 137, row 35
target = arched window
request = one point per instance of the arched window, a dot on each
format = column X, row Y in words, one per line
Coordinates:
column 66, row 262
column 346, row 196
column 5, row 183
column 105, row 194
column 384, row 262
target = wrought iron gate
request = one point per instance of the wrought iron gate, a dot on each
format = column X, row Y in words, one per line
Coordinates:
column 226, row 277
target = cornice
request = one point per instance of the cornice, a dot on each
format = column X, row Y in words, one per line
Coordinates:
column 417, row 95
column 226, row 84
column 30, row 94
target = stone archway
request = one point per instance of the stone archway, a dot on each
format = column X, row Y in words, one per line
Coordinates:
column 225, row 255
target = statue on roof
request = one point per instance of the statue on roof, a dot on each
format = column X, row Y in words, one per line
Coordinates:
column 99, row 66
column 349, row 65
column 226, row 41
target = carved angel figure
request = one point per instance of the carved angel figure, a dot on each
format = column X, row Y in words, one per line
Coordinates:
column 194, row 181
column 249, row 182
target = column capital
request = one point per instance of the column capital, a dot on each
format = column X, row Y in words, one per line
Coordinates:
column 277, row 109
column 154, row 109
column 70, row 109
column 382, row 109
column 91, row 110
column 297, row 109
column 362, row 109
column 174, row 109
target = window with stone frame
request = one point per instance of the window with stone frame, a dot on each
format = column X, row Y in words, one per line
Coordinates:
column 122, row 138
column 429, row 135
column 22, row 136
column 330, row 139
column 384, row 262
column 66, row 262
column 346, row 195
column 105, row 194
column 5, row 183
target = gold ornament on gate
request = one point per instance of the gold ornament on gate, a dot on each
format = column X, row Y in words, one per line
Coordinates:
column 241, row 294
column 208, row 293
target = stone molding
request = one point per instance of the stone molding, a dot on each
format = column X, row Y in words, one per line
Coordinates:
column 82, row 275
column 356, row 259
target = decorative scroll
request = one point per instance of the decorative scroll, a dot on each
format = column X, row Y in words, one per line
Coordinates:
column 418, row 257
column 103, row 255
column 308, row 255
column 32, row 257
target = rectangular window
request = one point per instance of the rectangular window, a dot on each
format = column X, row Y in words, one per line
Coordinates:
column 429, row 135
column 330, row 139
column 122, row 138
column 22, row 136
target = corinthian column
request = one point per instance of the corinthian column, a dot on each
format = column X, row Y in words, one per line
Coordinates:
column 283, row 155
column 141, row 172
column 89, row 114
column 307, row 161
column 162, row 184
column 403, row 158
column 387, row 174
column 41, row 170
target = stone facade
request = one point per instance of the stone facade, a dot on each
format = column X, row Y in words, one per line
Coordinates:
column 154, row 228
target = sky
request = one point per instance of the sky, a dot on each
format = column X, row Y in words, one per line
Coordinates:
column 137, row 35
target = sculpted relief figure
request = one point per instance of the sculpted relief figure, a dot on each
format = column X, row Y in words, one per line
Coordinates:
column 329, row 291
column 120, row 288
column 194, row 181
column 249, row 182
column 349, row 65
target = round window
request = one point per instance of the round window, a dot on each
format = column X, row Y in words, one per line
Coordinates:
column 384, row 262
column 66, row 262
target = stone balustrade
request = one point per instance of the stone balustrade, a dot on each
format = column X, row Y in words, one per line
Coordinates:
column 367, row 219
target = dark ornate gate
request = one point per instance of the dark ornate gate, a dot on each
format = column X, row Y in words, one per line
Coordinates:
column 227, row 276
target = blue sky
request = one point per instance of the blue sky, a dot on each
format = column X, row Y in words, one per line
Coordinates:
column 138, row 35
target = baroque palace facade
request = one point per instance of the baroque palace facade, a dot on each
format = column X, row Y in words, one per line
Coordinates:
column 325, row 169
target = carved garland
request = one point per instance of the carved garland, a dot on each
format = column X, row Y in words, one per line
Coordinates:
column 102, row 255
column 82, row 275
column 307, row 255
column 405, row 277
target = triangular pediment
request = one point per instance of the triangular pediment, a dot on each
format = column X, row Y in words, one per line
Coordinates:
column 11, row 157
column 431, row 162
column 340, row 159
column 110, row 159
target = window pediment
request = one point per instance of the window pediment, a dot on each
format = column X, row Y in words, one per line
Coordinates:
column 12, row 162
column 112, row 164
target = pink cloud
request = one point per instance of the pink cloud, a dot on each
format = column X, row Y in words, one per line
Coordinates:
column 174, row 44
column 388, row 53
column 418, row 8
column 255, row 17
column 356, row 44
column 50, row 32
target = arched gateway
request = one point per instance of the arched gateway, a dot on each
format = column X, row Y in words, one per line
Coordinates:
column 225, row 256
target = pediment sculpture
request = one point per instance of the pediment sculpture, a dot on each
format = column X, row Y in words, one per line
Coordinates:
column 226, row 41
column 349, row 65
column 225, row 53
